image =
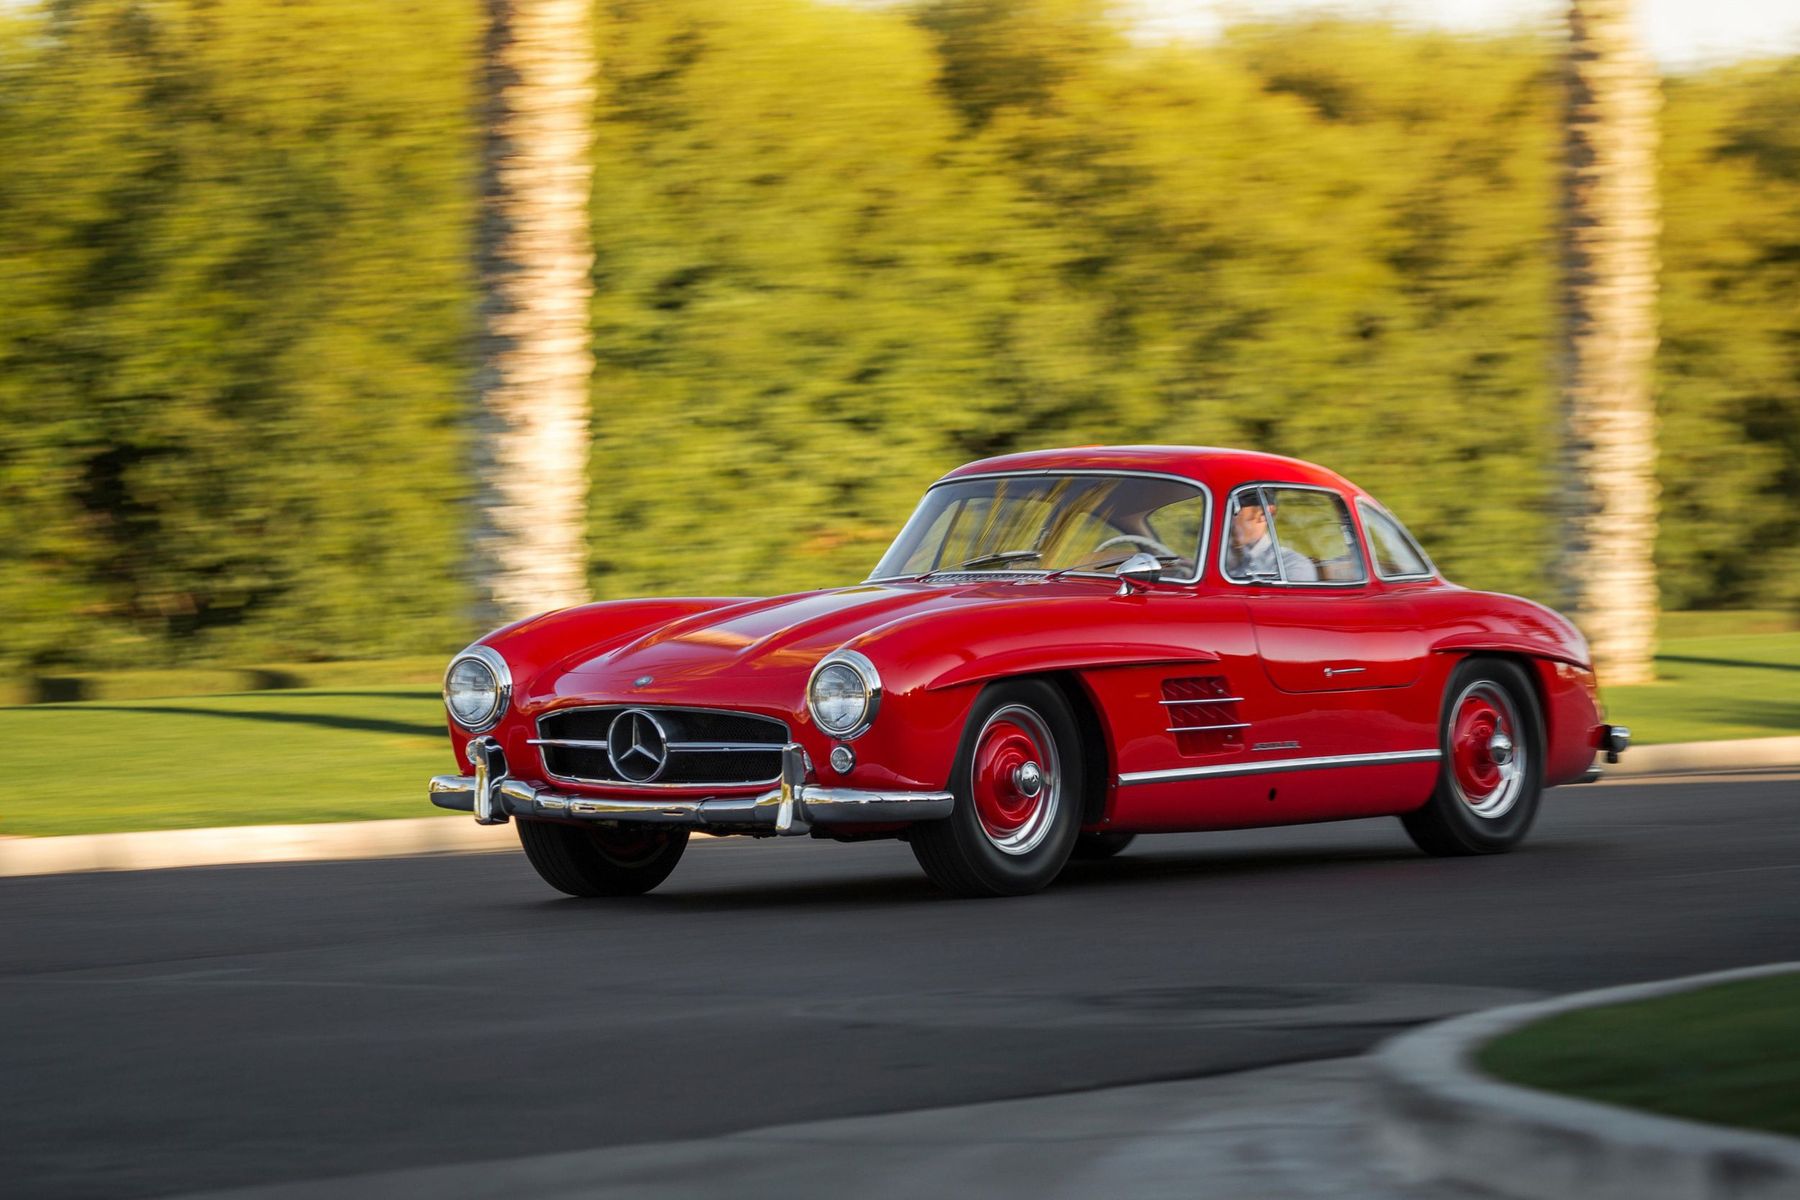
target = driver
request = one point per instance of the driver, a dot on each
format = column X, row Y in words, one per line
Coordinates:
column 1253, row 551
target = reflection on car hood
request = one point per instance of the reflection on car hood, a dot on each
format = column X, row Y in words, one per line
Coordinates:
column 767, row 640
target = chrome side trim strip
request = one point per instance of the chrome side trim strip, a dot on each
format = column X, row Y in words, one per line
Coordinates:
column 1269, row 766
column 1206, row 728
column 1207, row 700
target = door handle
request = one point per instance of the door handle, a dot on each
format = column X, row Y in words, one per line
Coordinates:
column 1330, row 671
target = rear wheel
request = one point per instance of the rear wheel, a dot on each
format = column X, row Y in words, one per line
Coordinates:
column 1491, row 774
column 1017, row 783
column 598, row 860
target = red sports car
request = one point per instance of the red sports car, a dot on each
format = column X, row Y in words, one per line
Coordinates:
column 1061, row 650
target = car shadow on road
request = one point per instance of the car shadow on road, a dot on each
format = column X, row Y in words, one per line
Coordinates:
column 860, row 891
column 1218, row 863
column 889, row 889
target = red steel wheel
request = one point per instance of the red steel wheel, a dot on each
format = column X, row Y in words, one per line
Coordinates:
column 1490, row 778
column 1016, row 779
column 1485, row 767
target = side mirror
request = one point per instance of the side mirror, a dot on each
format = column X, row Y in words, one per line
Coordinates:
column 1140, row 569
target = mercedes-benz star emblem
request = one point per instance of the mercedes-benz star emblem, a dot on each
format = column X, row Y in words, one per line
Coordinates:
column 636, row 746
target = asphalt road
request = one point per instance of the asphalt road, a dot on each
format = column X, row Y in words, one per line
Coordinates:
column 170, row 1031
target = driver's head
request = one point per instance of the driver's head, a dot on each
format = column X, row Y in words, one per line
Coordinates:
column 1249, row 524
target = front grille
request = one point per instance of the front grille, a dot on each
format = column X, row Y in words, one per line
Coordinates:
column 703, row 746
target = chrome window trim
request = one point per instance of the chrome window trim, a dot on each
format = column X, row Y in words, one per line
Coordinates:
column 786, row 737
column 1365, row 505
column 1355, row 531
column 1048, row 472
column 1270, row 766
column 503, row 680
column 858, row 662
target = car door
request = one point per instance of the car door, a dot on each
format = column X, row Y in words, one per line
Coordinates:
column 1322, row 624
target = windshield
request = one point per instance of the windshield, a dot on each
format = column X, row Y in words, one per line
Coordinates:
column 1027, row 523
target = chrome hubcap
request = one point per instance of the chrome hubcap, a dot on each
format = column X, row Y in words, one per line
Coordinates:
column 1015, row 781
column 1486, row 765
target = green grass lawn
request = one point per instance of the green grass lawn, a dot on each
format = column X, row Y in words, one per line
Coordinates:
column 330, row 754
column 354, row 748
column 1729, row 1055
column 1718, row 685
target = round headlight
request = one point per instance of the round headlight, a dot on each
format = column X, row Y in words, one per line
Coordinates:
column 844, row 693
column 476, row 688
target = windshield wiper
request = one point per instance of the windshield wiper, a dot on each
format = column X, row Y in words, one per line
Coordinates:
column 982, row 560
column 1111, row 562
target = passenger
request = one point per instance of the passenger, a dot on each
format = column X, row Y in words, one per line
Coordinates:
column 1253, row 550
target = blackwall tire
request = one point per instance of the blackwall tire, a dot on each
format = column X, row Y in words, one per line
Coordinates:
column 1490, row 779
column 598, row 860
column 1002, row 838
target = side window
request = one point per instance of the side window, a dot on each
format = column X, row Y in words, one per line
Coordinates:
column 1316, row 525
column 1291, row 535
column 1397, row 556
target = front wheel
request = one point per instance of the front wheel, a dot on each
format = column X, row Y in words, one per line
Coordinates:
column 597, row 860
column 1492, row 771
column 1017, row 782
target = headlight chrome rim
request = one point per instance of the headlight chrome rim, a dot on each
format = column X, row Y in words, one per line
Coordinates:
column 490, row 658
column 871, row 680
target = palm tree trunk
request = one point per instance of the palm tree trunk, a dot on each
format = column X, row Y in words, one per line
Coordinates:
column 534, row 257
column 1609, row 233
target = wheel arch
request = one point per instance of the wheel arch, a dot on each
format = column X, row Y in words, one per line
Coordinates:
column 1528, row 665
column 1568, row 708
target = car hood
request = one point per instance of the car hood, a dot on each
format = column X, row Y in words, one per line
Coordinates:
column 758, row 644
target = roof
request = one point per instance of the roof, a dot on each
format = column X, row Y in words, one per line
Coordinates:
column 1219, row 468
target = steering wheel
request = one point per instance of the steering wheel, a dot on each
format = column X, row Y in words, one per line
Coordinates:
column 1151, row 544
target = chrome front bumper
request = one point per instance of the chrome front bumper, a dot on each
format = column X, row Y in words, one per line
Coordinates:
column 792, row 808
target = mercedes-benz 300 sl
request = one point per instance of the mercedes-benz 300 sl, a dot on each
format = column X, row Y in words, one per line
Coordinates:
column 1062, row 650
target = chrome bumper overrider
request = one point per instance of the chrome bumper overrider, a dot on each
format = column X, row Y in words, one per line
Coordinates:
column 792, row 808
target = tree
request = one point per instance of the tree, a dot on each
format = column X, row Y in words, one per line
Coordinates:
column 534, row 257
column 1609, row 235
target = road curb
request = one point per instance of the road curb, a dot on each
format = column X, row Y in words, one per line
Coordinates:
column 1444, row 1121
column 238, row 844
column 1707, row 756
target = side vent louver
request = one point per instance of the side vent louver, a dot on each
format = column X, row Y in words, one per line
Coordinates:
column 1203, row 714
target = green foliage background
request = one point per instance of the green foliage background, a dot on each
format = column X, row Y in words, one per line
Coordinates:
column 840, row 250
